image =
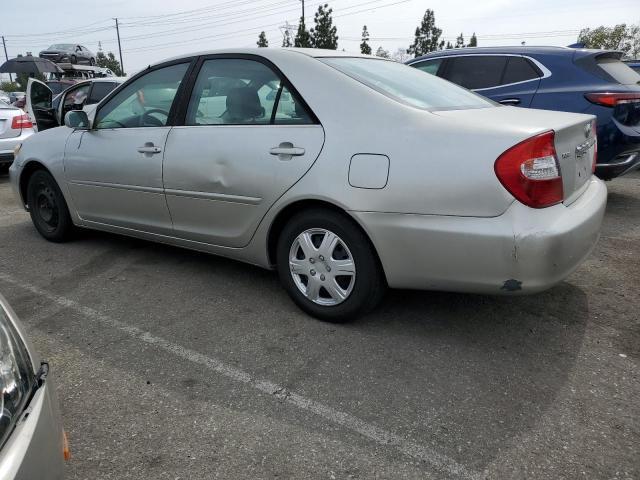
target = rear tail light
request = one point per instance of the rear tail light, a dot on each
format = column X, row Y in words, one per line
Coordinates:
column 21, row 121
column 611, row 99
column 530, row 171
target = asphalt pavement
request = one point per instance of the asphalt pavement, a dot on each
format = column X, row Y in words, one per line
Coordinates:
column 172, row 364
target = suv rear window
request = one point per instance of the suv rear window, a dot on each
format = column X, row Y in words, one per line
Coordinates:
column 620, row 71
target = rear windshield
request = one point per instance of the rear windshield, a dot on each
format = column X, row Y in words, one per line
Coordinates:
column 621, row 72
column 58, row 87
column 408, row 85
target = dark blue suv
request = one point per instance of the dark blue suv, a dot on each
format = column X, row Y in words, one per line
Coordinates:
column 555, row 78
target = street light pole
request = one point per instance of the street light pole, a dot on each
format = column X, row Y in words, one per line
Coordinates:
column 4, row 44
column 119, row 47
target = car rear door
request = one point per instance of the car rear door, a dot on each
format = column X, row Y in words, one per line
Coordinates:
column 507, row 79
column 38, row 105
column 114, row 170
column 247, row 137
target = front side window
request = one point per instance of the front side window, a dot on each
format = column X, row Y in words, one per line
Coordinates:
column 429, row 66
column 145, row 102
column 407, row 85
column 476, row 71
column 241, row 92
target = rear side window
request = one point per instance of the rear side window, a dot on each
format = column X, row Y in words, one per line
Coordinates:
column 519, row 70
column 99, row 91
column 429, row 66
column 618, row 70
column 476, row 71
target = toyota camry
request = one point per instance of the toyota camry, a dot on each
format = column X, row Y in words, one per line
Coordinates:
column 346, row 173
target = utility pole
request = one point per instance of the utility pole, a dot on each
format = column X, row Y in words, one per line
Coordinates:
column 303, row 10
column 119, row 47
column 4, row 44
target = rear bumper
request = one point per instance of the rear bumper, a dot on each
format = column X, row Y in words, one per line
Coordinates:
column 35, row 448
column 523, row 250
column 620, row 165
column 7, row 145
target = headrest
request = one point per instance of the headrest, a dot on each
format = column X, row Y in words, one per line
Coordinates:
column 243, row 104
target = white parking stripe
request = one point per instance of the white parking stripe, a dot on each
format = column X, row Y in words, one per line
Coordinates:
column 440, row 462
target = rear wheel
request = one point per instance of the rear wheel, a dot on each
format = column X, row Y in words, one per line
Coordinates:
column 48, row 209
column 328, row 266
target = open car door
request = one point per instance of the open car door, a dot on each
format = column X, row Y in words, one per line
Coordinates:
column 38, row 105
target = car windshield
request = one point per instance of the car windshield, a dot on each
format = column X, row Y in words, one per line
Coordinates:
column 408, row 85
column 62, row 46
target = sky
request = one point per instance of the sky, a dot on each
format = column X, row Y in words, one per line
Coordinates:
column 152, row 30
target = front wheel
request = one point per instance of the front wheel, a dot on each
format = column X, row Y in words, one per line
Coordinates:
column 48, row 209
column 328, row 266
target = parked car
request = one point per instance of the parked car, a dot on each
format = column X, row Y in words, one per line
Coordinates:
column 4, row 97
column 48, row 110
column 595, row 82
column 68, row 53
column 15, row 96
column 32, row 441
column 357, row 173
column 15, row 127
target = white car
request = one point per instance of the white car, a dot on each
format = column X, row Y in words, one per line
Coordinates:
column 345, row 172
column 15, row 127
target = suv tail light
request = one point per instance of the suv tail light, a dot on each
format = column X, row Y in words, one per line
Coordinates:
column 21, row 121
column 530, row 171
column 611, row 99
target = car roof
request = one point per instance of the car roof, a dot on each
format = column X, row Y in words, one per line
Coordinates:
column 513, row 50
column 270, row 53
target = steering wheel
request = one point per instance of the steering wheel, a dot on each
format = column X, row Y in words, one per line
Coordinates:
column 147, row 119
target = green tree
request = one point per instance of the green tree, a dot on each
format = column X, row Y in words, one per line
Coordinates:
column 286, row 40
column 608, row 38
column 23, row 78
column 427, row 36
column 382, row 53
column 449, row 45
column 473, row 42
column 262, row 40
column 459, row 41
column 109, row 61
column 324, row 33
column 302, row 38
column 365, row 48
column 9, row 87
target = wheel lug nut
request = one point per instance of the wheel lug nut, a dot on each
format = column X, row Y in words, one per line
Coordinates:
column 312, row 272
column 322, row 277
column 328, row 268
column 321, row 258
column 312, row 260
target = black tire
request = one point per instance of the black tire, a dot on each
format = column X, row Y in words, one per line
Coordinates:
column 48, row 208
column 369, row 284
column 73, row 59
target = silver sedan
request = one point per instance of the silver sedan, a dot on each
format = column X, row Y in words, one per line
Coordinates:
column 32, row 442
column 346, row 173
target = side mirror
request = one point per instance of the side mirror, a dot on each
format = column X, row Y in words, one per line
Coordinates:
column 77, row 119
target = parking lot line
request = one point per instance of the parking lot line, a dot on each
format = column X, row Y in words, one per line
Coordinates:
column 436, row 460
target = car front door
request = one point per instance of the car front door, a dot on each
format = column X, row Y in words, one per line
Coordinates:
column 246, row 138
column 114, row 170
column 39, row 105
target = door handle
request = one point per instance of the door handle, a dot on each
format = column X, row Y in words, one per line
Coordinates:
column 286, row 150
column 510, row 101
column 149, row 149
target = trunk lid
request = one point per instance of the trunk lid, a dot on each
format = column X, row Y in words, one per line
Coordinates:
column 574, row 139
